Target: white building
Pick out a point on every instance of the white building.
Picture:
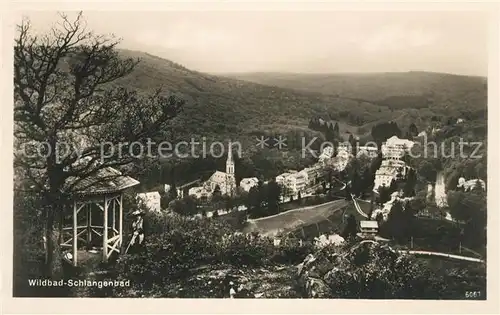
(247, 183)
(280, 179)
(471, 184)
(327, 153)
(313, 172)
(342, 159)
(150, 200)
(398, 165)
(395, 148)
(166, 188)
(225, 180)
(384, 177)
(200, 192)
(296, 182)
(369, 151)
(344, 146)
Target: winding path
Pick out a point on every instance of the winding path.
(427, 253)
(358, 208)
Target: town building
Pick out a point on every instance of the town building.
(314, 172)
(183, 190)
(280, 179)
(247, 183)
(296, 182)
(368, 227)
(201, 192)
(150, 200)
(471, 184)
(342, 159)
(395, 148)
(384, 177)
(224, 180)
(327, 153)
(344, 146)
(166, 188)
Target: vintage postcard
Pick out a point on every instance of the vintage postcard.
(243, 154)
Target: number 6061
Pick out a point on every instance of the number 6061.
(472, 294)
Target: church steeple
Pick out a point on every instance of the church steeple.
(229, 163)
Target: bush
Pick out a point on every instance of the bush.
(240, 250)
(174, 244)
(290, 251)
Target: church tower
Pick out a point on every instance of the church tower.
(230, 179)
(230, 163)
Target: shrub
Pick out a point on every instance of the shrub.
(242, 250)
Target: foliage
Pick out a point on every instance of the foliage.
(384, 131)
(62, 98)
(470, 207)
(186, 206)
(373, 271)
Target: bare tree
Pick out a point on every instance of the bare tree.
(68, 102)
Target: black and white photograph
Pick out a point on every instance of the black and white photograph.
(251, 154)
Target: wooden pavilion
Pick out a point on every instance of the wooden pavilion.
(94, 218)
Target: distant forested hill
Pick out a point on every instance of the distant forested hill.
(412, 89)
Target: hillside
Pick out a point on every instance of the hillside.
(412, 89)
(219, 106)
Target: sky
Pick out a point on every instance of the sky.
(306, 42)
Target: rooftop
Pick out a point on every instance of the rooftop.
(368, 224)
(105, 181)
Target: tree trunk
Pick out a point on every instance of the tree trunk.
(49, 255)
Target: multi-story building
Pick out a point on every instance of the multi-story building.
(296, 182)
(327, 153)
(201, 192)
(395, 148)
(384, 177)
(247, 183)
(150, 200)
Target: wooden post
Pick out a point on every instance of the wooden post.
(105, 232)
(411, 242)
(89, 226)
(114, 215)
(75, 237)
(120, 226)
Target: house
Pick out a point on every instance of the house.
(247, 183)
(460, 120)
(384, 177)
(399, 165)
(201, 192)
(150, 200)
(313, 173)
(280, 179)
(395, 148)
(471, 184)
(296, 182)
(368, 227)
(327, 153)
(183, 190)
(344, 146)
(166, 188)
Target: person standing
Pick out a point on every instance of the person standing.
(137, 241)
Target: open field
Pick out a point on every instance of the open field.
(293, 219)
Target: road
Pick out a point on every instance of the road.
(292, 219)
